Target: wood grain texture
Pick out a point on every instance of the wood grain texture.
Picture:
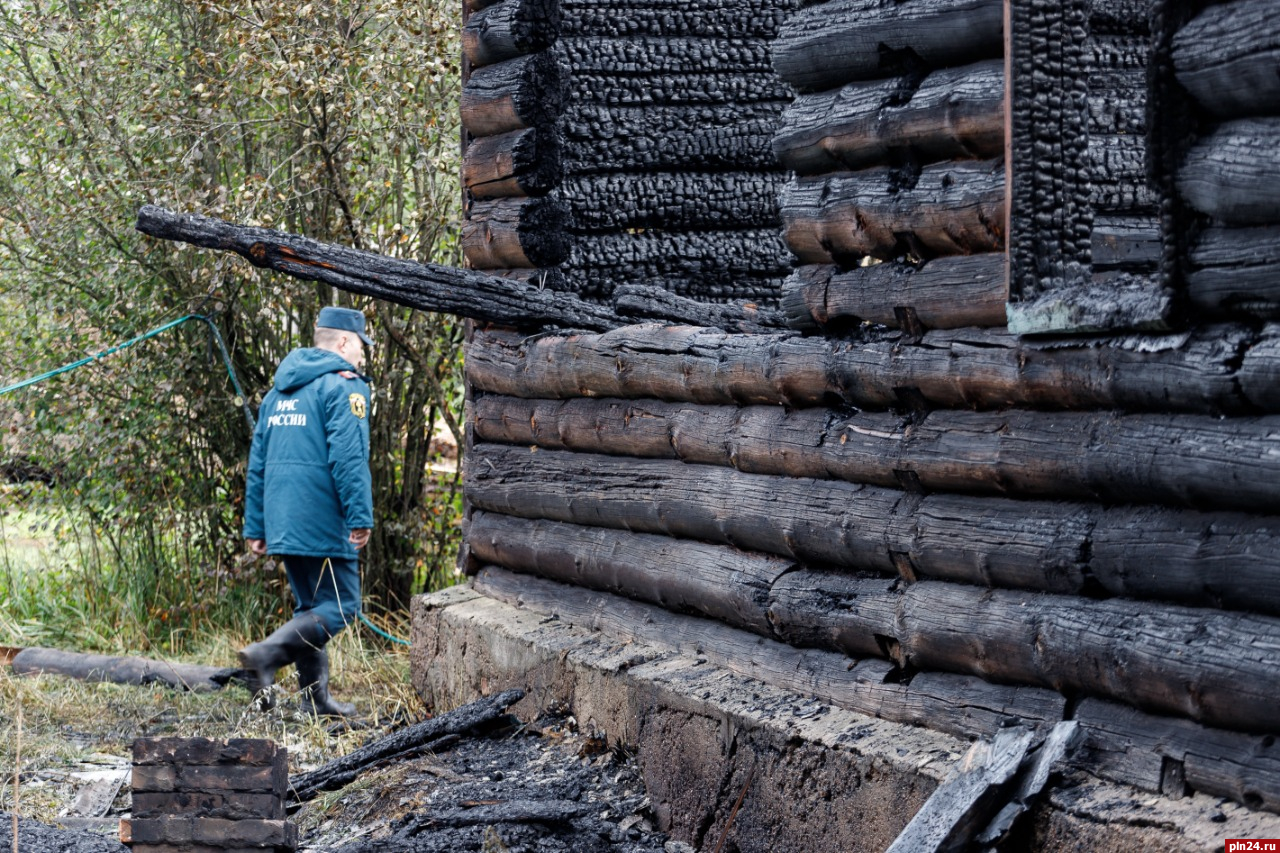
(509, 29)
(517, 163)
(1233, 174)
(640, 301)
(524, 92)
(1228, 56)
(516, 232)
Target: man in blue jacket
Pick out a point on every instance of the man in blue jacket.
(309, 500)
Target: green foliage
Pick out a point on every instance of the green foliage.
(333, 120)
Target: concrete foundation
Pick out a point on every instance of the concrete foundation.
(810, 777)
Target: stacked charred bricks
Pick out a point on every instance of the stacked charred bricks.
(197, 795)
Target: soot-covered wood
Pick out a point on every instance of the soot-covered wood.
(427, 287)
(1216, 369)
(1215, 667)
(517, 163)
(516, 232)
(709, 19)
(953, 113)
(509, 29)
(694, 200)
(957, 704)
(1180, 460)
(1227, 56)
(954, 208)
(527, 91)
(946, 293)
(1218, 559)
(1233, 174)
(821, 47)
(646, 302)
(624, 90)
(663, 54)
(1234, 271)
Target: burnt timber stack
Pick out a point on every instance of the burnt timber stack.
(989, 432)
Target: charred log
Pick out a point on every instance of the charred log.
(1233, 174)
(509, 29)
(516, 232)
(622, 90)
(708, 19)
(674, 200)
(519, 93)
(1227, 56)
(663, 54)
(518, 163)
(1234, 272)
(634, 300)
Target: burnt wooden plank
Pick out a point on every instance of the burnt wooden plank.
(508, 29)
(694, 200)
(1226, 57)
(428, 287)
(632, 300)
(954, 208)
(967, 368)
(953, 113)
(824, 46)
(1233, 174)
(956, 704)
(723, 583)
(524, 92)
(516, 233)
(1033, 775)
(1180, 460)
(945, 293)
(666, 53)
(710, 19)
(1218, 559)
(517, 163)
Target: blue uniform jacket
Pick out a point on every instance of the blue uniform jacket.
(308, 484)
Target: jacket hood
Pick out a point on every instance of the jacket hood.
(305, 365)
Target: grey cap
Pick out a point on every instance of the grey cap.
(346, 319)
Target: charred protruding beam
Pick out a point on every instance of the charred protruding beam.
(675, 200)
(618, 89)
(1178, 460)
(954, 113)
(1236, 271)
(960, 705)
(1233, 174)
(947, 293)
(518, 163)
(509, 29)
(710, 18)
(821, 47)
(1218, 369)
(427, 287)
(1227, 56)
(663, 54)
(1215, 667)
(608, 139)
(640, 301)
(949, 209)
(524, 92)
(516, 232)
(1219, 559)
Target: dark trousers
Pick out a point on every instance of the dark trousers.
(329, 587)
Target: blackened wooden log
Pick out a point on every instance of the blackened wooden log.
(509, 29)
(1119, 17)
(673, 200)
(713, 284)
(656, 303)
(1233, 272)
(947, 702)
(723, 583)
(1218, 559)
(517, 163)
(946, 293)
(460, 721)
(123, 670)
(624, 90)
(1098, 303)
(1227, 58)
(427, 287)
(953, 113)
(527, 91)
(1199, 371)
(548, 278)
(1179, 460)
(1172, 756)
(516, 232)
(710, 18)
(609, 139)
(663, 54)
(821, 47)
(960, 705)
(1215, 667)
(1127, 243)
(1117, 101)
(954, 208)
(1233, 174)
(1118, 175)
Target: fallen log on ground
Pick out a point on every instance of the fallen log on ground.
(1206, 559)
(957, 704)
(427, 287)
(124, 670)
(459, 722)
(1216, 369)
(1178, 460)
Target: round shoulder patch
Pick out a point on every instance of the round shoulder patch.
(357, 405)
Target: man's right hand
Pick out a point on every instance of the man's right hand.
(257, 546)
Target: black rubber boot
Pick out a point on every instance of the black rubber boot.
(313, 680)
(261, 660)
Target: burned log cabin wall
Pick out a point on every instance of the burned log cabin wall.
(626, 144)
(900, 505)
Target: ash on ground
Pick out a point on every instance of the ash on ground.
(539, 788)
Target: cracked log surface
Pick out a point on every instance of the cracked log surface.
(955, 208)
(427, 287)
(635, 300)
(711, 88)
(509, 29)
(1179, 460)
(516, 233)
(663, 54)
(1233, 174)
(1227, 57)
(518, 163)
(524, 92)
(671, 199)
(960, 705)
(708, 19)
(1234, 272)
(1217, 369)
(1218, 559)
